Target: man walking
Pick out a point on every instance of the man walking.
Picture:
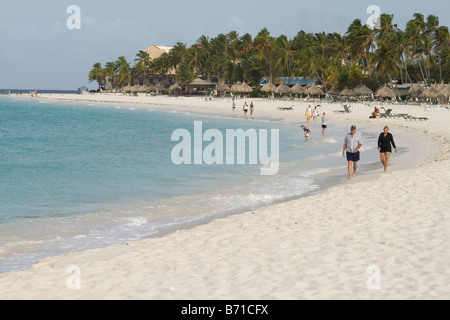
(352, 145)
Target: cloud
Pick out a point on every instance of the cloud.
(237, 25)
(130, 30)
(21, 28)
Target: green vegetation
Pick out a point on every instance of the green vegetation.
(373, 57)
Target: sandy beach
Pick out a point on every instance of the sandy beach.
(382, 237)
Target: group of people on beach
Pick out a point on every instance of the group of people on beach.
(353, 143)
(312, 113)
(245, 108)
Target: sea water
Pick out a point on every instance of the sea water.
(79, 176)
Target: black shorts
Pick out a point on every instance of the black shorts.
(354, 157)
(324, 126)
(386, 150)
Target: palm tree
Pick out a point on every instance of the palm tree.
(265, 44)
(97, 74)
(143, 63)
(123, 72)
(284, 56)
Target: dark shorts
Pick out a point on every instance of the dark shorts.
(386, 150)
(324, 126)
(354, 157)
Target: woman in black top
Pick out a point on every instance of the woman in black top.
(384, 145)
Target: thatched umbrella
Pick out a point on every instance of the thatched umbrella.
(387, 92)
(416, 90)
(127, 88)
(160, 87)
(223, 88)
(363, 91)
(135, 88)
(245, 88)
(445, 92)
(235, 88)
(297, 89)
(334, 91)
(314, 91)
(141, 89)
(282, 88)
(175, 87)
(433, 92)
(346, 93)
(269, 87)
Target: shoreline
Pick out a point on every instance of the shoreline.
(229, 223)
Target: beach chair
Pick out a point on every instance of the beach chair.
(346, 109)
(286, 108)
(411, 118)
(387, 114)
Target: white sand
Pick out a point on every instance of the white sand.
(317, 247)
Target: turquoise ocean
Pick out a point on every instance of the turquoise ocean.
(76, 176)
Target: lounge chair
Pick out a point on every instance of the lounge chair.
(387, 114)
(346, 109)
(286, 108)
(410, 118)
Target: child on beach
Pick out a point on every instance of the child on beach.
(307, 132)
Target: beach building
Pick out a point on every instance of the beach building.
(160, 81)
(155, 51)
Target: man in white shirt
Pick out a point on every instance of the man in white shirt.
(352, 144)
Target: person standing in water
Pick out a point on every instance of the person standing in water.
(352, 144)
(308, 113)
(307, 132)
(385, 144)
(324, 124)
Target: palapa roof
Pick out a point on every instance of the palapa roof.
(297, 89)
(201, 83)
(223, 87)
(334, 91)
(314, 91)
(175, 87)
(387, 92)
(282, 88)
(362, 91)
(346, 92)
(245, 88)
(269, 87)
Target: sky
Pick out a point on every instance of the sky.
(38, 51)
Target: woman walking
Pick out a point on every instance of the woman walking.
(384, 146)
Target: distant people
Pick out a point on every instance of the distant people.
(385, 144)
(324, 124)
(307, 132)
(352, 144)
(234, 106)
(308, 113)
(252, 108)
(315, 114)
(375, 113)
(245, 108)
